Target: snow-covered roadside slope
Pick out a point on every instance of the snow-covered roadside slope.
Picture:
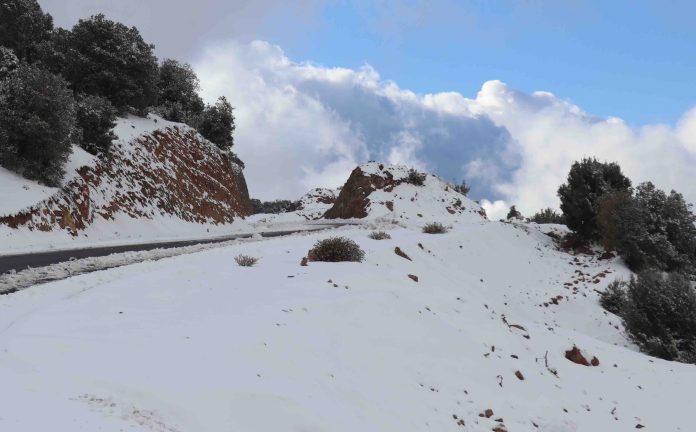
(160, 181)
(18, 193)
(196, 343)
(376, 191)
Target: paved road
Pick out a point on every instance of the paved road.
(41, 259)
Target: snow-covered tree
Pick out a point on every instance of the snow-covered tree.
(106, 58)
(8, 62)
(660, 315)
(216, 124)
(37, 123)
(178, 92)
(95, 119)
(655, 230)
(24, 27)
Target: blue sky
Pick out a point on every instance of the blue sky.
(631, 59)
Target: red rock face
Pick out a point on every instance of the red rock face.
(171, 172)
(352, 202)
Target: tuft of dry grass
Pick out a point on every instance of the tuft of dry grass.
(379, 235)
(435, 228)
(246, 260)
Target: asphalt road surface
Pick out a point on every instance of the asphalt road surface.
(41, 259)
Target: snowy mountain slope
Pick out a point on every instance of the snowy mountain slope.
(160, 180)
(379, 191)
(196, 343)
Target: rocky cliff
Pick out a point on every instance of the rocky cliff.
(155, 168)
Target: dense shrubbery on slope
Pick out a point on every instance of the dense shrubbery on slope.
(38, 124)
(274, 207)
(588, 180)
(108, 69)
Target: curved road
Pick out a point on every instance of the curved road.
(41, 259)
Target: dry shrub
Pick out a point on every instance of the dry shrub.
(435, 228)
(336, 249)
(246, 260)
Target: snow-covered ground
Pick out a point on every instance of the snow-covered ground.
(18, 193)
(196, 343)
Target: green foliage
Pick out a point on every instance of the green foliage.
(613, 298)
(660, 315)
(24, 27)
(8, 62)
(588, 180)
(178, 92)
(415, 178)
(38, 123)
(336, 249)
(651, 229)
(95, 119)
(108, 59)
(274, 207)
(216, 124)
(514, 214)
(435, 228)
(548, 216)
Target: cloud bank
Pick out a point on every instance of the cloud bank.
(301, 125)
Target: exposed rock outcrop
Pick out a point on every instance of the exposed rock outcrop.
(172, 171)
(376, 190)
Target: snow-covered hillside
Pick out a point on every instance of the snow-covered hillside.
(377, 191)
(19, 193)
(478, 343)
(160, 181)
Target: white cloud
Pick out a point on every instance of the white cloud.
(302, 125)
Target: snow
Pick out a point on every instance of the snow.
(196, 343)
(18, 193)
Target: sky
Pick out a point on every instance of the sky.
(503, 93)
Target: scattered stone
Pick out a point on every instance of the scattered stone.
(414, 278)
(401, 253)
(303, 263)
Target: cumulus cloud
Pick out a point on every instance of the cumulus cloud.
(302, 125)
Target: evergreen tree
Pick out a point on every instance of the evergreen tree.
(37, 123)
(514, 213)
(660, 315)
(216, 124)
(95, 119)
(108, 59)
(24, 27)
(178, 92)
(655, 230)
(8, 62)
(547, 216)
(588, 180)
